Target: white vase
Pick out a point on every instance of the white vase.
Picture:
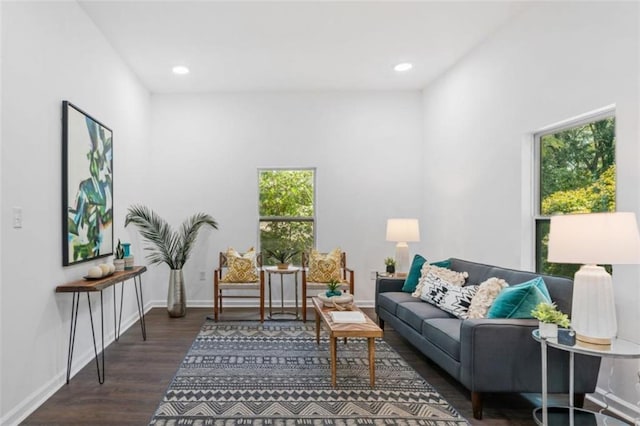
(119, 264)
(548, 330)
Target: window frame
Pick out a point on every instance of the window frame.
(312, 219)
(596, 115)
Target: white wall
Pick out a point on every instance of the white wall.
(366, 148)
(52, 52)
(554, 61)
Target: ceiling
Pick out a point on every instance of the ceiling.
(295, 45)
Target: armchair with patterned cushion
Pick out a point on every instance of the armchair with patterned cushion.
(238, 273)
(318, 269)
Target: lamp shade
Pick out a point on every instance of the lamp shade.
(403, 230)
(594, 238)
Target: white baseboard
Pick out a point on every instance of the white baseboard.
(626, 410)
(39, 396)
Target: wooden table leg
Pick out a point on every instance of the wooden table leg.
(372, 361)
(332, 348)
(317, 327)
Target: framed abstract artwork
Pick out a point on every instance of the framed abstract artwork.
(87, 187)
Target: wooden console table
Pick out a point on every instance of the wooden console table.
(99, 285)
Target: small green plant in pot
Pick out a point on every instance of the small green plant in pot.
(118, 262)
(281, 256)
(550, 318)
(333, 288)
(390, 262)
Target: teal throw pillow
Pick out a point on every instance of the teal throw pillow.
(411, 282)
(517, 301)
(442, 264)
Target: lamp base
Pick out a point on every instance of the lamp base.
(598, 342)
(593, 312)
(402, 259)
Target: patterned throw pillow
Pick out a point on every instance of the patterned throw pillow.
(452, 277)
(486, 294)
(449, 297)
(324, 267)
(241, 268)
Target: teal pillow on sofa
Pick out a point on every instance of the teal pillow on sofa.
(519, 300)
(411, 282)
(415, 272)
(442, 264)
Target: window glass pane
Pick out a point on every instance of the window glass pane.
(276, 235)
(577, 170)
(542, 265)
(286, 193)
(286, 207)
(577, 175)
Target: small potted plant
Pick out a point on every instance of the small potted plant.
(550, 318)
(282, 256)
(333, 288)
(118, 262)
(391, 265)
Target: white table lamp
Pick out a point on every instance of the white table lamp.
(592, 239)
(402, 231)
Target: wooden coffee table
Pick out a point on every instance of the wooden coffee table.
(369, 330)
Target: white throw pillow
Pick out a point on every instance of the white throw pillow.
(486, 294)
(448, 297)
(452, 277)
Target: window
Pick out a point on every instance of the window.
(287, 210)
(576, 174)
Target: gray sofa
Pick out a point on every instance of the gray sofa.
(486, 355)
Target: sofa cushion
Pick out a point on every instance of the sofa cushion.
(389, 301)
(519, 300)
(414, 274)
(416, 311)
(445, 334)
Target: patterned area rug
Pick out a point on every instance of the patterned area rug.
(275, 374)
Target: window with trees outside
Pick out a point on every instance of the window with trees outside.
(287, 211)
(576, 174)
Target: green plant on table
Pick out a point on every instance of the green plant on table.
(119, 251)
(281, 255)
(333, 288)
(390, 261)
(548, 313)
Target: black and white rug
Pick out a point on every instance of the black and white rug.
(275, 374)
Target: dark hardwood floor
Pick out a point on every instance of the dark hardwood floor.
(138, 373)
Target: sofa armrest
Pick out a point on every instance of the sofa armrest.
(500, 355)
(386, 284)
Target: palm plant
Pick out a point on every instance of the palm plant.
(167, 246)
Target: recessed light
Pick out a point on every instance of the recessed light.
(180, 70)
(405, 66)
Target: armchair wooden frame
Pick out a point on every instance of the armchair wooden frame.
(219, 286)
(346, 274)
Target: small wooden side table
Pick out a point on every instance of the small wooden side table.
(99, 285)
(368, 330)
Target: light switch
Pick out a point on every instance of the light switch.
(17, 217)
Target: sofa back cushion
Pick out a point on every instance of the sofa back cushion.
(560, 288)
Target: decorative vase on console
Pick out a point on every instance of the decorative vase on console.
(118, 262)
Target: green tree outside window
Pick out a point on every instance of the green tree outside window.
(287, 210)
(577, 175)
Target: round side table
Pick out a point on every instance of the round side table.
(570, 415)
(292, 270)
